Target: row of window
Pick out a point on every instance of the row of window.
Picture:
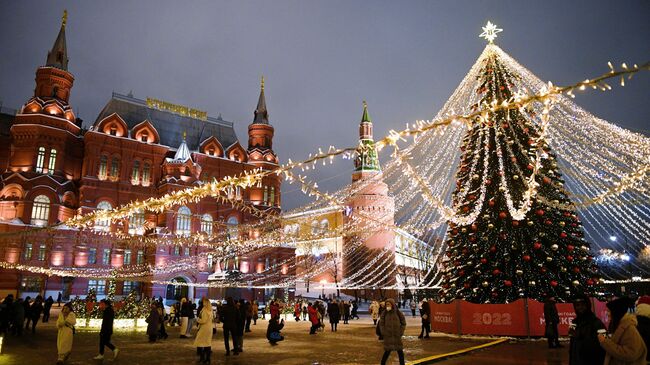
(138, 175)
(316, 228)
(269, 195)
(40, 161)
(35, 284)
(92, 255)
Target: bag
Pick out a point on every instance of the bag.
(275, 336)
(425, 317)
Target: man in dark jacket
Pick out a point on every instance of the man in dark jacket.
(334, 312)
(35, 311)
(230, 318)
(425, 314)
(643, 319)
(552, 320)
(584, 346)
(273, 331)
(105, 333)
(242, 307)
(46, 308)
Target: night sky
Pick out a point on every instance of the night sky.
(320, 59)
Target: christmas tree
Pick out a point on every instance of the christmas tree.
(525, 239)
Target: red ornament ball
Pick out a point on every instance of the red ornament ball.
(526, 257)
(563, 235)
(540, 212)
(515, 223)
(546, 180)
(466, 209)
(543, 269)
(569, 258)
(474, 227)
(590, 282)
(503, 215)
(576, 269)
(548, 222)
(537, 245)
(507, 283)
(488, 181)
(491, 202)
(484, 260)
(496, 272)
(570, 247)
(529, 167)
(466, 285)
(493, 249)
(553, 283)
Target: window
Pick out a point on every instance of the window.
(127, 257)
(146, 172)
(272, 196)
(237, 192)
(210, 261)
(130, 286)
(183, 221)
(186, 251)
(103, 224)
(98, 285)
(135, 174)
(140, 258)
(314, 227)
(136, 222)
(113, 130)
(233, 231)
(106, 257)
(27, 254)
(206, 224)
(177, 250)
(115, 168)
(31, 284)
(324, 225)
(103, 167)
(41, 210)
(92, 255)
(266, 195)
(144, 137)
(52, 163)
(41, 253)
(40, 159)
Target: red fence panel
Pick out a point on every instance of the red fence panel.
(493, 319)
(536, 317)
(444, 317)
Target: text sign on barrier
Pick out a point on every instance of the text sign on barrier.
(493, 319)
(538, 325)
(444, 317)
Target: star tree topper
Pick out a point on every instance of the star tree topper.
(490, 32)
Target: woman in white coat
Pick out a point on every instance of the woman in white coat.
(203, 339)
(65, 323)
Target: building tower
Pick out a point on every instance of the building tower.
(370, 205)
(260, 153)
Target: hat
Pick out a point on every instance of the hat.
(619, 306)
(643, 300)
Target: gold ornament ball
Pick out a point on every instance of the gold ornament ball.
(575, 283)
(554, 247)
(532, 283)
(515, 177)
(485, 284)
(490, 226)
(549, 259)
(562, 224)
(519, 272)
(530, 223)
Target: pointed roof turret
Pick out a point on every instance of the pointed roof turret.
(261, 114)
(58, 56)
(183, 152)
(365, 118)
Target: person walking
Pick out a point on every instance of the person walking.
(190, 318)
(203, 339)
(552, 320)
(643, 319)
(333, 311)
(249, 316)
(413, 307)
(374, 311)
(230, 318)
(65, 325)
(46, 308)
(35, 311)
(106, 331)
(184, 314)
(172, 314)
(162, 331)
(425, 313)
(584, 348)
(18, 317)
(273, 331)
(346, 312)
(625, 346)
(6, 313)
(153, 323)
(58, 300)
(392, 325)
(305, 314)
(355, 310)
(313, 318)
(241, 324)
(255, 308)
(27, 305)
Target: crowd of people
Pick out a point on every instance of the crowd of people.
(624, 341)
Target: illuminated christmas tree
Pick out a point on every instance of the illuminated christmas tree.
(525, 239)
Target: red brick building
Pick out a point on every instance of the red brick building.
(53, 168)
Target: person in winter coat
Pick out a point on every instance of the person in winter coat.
(162, 331)
(230, 318)
(374, 311)
(625, 346)
(333, 311)
(19, 317)
(243, 309)
(296, 311)
(313, 318)
(35, 311)
(255, 308)
(355, 309)
(584, 346)
(106, 331)
(185, 310)
(153, 323)
(392, 325)
(249, 316)
(552, 320)
(65, 324)
(643, 319)
(274, 309)
(203, 339)
(273, 330)
(46, 308)
(27, 305)
(413, 307)
(346, 312)
(425, 314)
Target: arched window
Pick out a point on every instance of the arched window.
(233, 230)
(272, 196)
(146, 173)
(40, 159)
(144, 137)
(324, 225)
(206, 224)
(135, 174)
(103, 224)
(183, 221)
(115, 168)
(266, 195)
(41, 211)
(314, 227)
(136, 222)
(210, 261)
(52, 163)
(103, 167)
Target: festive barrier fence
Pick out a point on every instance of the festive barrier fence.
(521, 318)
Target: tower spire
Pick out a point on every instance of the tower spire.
(58, 56)
(365, 118)
(261, 114)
